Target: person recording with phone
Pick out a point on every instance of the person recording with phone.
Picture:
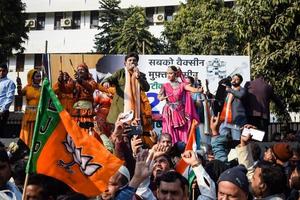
(233, 115)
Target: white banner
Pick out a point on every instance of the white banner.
(212, 68)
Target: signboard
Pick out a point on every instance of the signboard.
(213, 68)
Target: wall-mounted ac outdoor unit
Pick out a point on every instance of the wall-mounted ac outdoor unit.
(66, 22)
(31, 23)
(158, 18)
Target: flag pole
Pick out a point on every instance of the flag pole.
(36, 127)
(25, 185)
(60, 58)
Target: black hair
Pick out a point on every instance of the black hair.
(172, 176)
(18, 169)
(215, 168)
(239, 75)
(2, 145)
(173, 68)
(177, 149)
(132, 54)
(192, 80)
(273, 176)
(168, 157)
(4, 66)
(296, 148)
(34, 73)
(256, 151)
(72, 196)
(50, 186)
(3, 155)
(123, 180)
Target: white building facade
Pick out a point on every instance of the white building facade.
(70, 26)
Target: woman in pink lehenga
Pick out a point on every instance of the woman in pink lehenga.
(179, 110)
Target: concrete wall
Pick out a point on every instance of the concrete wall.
(33, 6)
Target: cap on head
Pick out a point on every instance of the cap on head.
(237, 176)
(282, 151)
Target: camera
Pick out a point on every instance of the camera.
(135, 130)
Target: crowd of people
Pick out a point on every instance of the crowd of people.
(118, 113)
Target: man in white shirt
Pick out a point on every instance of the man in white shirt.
(7, 92)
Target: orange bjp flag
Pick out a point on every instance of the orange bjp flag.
(60, 149)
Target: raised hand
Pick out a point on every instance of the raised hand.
(136, 144)
(143, 169)
(136, 72)
(190, 158)
(153, 136)
(214, 124)
(159, 150)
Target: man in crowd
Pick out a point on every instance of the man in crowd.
(7, 91)
(259, 96)
(233, 114)
(172, 185)
(165, 140)
(119, 79)
(8, 190)
(233, 184)
(268, 181)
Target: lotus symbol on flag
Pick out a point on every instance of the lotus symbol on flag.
(83, 161)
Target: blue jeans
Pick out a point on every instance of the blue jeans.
(230, 129)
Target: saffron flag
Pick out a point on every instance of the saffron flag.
(61, 149)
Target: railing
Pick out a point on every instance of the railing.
(15, 120)
(282, 128)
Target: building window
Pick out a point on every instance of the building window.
(20, 62)
(94, 19)
(149, 14)
(229, 4)
(57, 18)
(169, 11)
(76, 18)
(38, 61)
(40, 21)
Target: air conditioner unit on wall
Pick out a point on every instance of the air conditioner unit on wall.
(158, 18)
(31, 23)
(66, 22)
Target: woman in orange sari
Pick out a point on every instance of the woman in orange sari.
(32, 93)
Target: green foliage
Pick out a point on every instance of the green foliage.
(202, 27)
(135, 36)
(272, 29)
(12, 27)
(124, 31)
(110, 18)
